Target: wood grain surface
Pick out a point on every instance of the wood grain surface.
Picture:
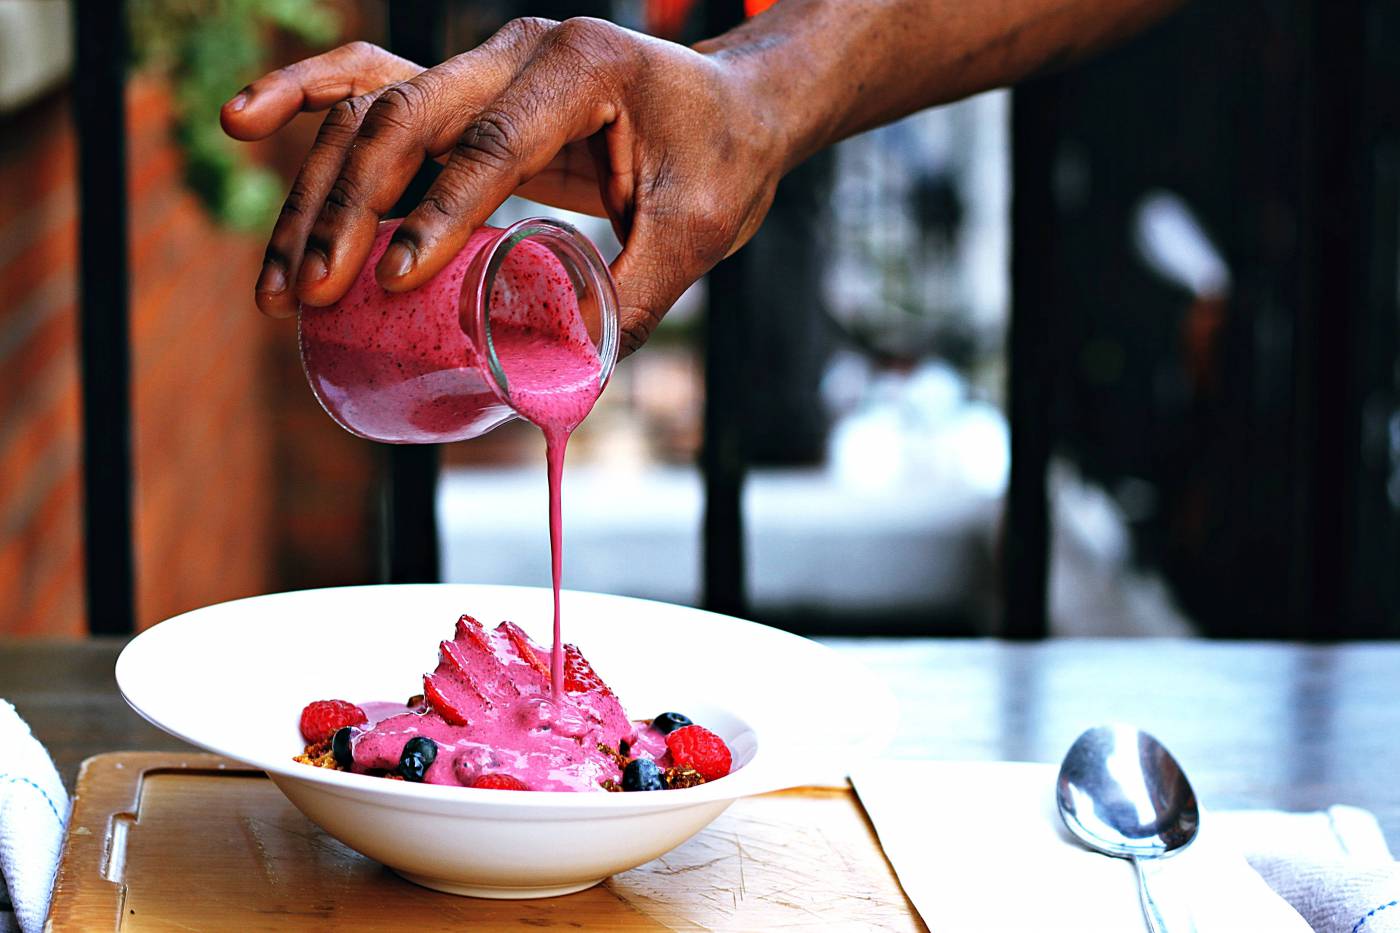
(163, 841)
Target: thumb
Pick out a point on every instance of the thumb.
(651, 273)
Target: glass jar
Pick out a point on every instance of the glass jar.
(429, 366)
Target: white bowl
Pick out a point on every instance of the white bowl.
(232, 678)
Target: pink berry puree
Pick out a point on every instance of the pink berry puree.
(401, 368)
(489, 709)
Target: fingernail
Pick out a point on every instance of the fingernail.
(398, 259)
(313, 268)
(239, 101)
(273, 279)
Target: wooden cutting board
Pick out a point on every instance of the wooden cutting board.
(196, 842)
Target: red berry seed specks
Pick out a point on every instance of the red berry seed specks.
(324, 718)
(499, 782)
(699, 748)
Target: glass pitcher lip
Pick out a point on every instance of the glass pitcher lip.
(481, 276)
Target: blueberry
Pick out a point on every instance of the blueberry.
(423, 746)
(642, 774)
(418, 754)
(413, 767)
(340, 748)
(667, 723)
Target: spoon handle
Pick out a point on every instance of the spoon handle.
(1150, 912)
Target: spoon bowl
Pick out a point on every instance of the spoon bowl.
(1120, 792)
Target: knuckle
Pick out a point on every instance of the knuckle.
(395, 109)
(525, 30)
(440, 205)
(491, 140)
(362, 49)
(596, 46)
(296, 204)
(576, 29)
(345, 115)
(343, 196)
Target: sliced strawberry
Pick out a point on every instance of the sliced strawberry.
(471, 632)
(483, 676)
(441, 704)
(528, 651)
(450, 658)
(579, 676)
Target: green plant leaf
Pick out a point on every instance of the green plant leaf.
(209, 49)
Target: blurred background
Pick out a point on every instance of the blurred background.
(1114, 353)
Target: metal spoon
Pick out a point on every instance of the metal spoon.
(1120, 792)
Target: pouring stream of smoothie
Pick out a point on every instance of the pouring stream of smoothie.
(553, 384)
(553, 373)
(399, 367)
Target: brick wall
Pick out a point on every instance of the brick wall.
(202, 442)
(40, 488)
(242, 484)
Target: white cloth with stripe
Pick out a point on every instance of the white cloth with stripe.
(33, 816)
(978, 846)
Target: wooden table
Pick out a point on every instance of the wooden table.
(1254, 724)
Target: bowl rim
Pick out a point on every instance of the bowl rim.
(763, 773)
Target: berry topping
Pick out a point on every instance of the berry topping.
(699, 748)
(320, 720)
(472, 632)
(439, 701)
(499, 782)
(418, 754)
(579, 676)
(422, 746)
(340, 748)
(524, 648)
(667, 723)
(642, 774)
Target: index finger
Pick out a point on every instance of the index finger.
(315, 83)
(408, 122)
(556, 99)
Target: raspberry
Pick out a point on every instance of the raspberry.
(499, 782)
(699, 748)
(324, 718)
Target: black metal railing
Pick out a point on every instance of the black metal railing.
(99, 98)
(1026, 542)
(409, 531)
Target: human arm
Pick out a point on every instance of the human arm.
(681, 148)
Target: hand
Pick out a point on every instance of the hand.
(671, 145)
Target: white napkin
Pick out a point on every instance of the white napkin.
(33, 815)
(978, 846)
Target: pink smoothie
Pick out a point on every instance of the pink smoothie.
(489, 709)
